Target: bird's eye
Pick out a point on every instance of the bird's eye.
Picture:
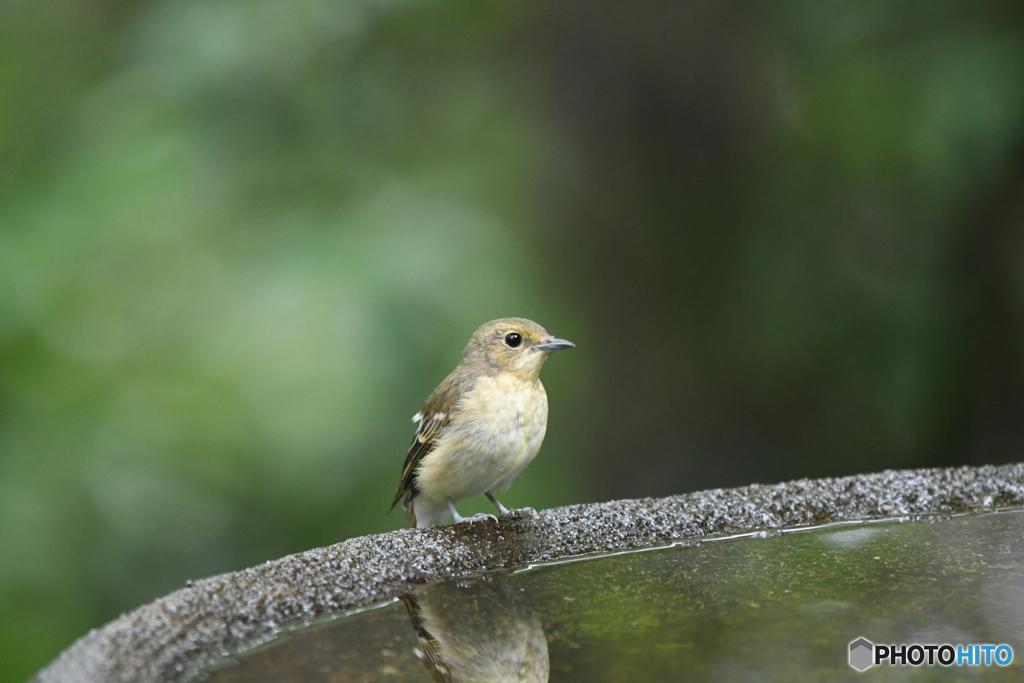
(513, 339)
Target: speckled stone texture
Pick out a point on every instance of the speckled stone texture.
(175, 636)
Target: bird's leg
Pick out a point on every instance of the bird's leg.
(505, 512)
(478, 517)
(502, 510)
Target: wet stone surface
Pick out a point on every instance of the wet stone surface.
(778, 608)
(177, 635)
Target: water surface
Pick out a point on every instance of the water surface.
(782, 607)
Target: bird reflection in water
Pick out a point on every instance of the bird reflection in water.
(479, 631)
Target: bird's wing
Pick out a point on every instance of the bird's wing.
(435, 415)
(430, 651)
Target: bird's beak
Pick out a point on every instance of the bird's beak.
(554, 345)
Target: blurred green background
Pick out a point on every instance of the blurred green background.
(241, 241)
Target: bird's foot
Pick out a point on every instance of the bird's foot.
(478, 517)
(459, 519)
(523, 512)
(482, 516)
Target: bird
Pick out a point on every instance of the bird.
(482, 631)
(481, 426)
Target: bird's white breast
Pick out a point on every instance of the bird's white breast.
(496, 430)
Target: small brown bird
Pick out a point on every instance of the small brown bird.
(482, 426)
(482, 631)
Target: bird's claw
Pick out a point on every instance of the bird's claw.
(523, 512)
(478, 517)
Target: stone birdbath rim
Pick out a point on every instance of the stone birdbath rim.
(176, 636)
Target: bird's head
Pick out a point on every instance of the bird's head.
(514, 345)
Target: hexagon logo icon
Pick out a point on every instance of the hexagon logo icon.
(862, 652)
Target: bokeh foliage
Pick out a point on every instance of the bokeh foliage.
(240, 242)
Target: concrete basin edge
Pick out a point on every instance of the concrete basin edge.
(177, 635)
